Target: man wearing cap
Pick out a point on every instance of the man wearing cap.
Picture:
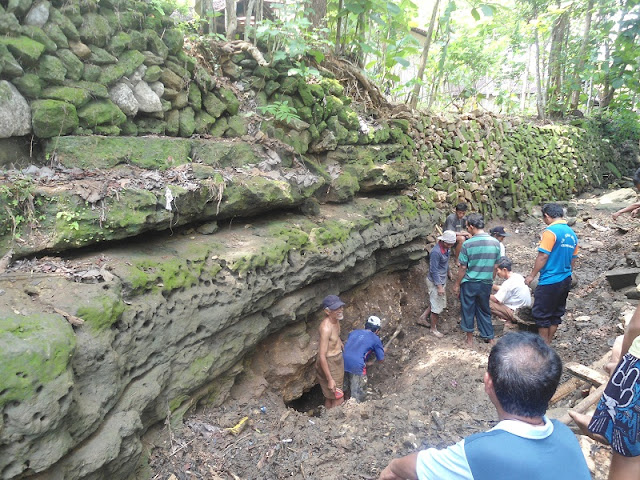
(457, 223)
(329, 363)
(498, 233)
(437, 281)
(359, 345)
(557, 253)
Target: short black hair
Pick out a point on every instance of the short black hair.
(525, 372)
(505, 262)
(371, 326)
(553, 210)
(636, 177)
(475, 220)
(461, 207)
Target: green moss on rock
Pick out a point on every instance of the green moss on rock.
(96, 152)
(102, 312)
(34, 350)
(24, 48)
(51, 118)
(103, 112)
(51, 69)
(75, 96)
(28, 85)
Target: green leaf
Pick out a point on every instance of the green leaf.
(475, 14)
(393, 9)
(354, 8)
(488, 10)
(402, 61)
(317, 55)
(617, 83)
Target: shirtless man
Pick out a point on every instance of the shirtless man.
(329, 364)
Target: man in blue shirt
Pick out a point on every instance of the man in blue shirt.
(557, 254)
(522, 375)
(360, 344)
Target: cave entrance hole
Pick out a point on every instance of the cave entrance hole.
(309, 402)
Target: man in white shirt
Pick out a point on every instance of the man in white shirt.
(511, 295)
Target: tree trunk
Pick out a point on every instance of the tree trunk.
(318, 13)
(339, 21)
(556, 62)
(248, 14)
(582, 59)
(539, 93)
(525, 83)
(415, 94)
(231, 22)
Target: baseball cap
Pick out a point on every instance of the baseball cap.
(448, 236)
(373, 321)
(499, 231)
(332, 302)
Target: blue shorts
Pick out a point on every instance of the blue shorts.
(550, 302)
(617, 417)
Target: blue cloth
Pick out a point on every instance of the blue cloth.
(511, 450)
(558, 266)
(617, 417)
(438, 265)
(474, 303)
(359, 344)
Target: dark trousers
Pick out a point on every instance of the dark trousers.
(550, 302)
(474, 304)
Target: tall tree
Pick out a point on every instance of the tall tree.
(231, 19)
(582, 58)
(557, 63)
(415, 94)
(318, 13)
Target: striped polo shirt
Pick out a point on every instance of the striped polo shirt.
(479, 254)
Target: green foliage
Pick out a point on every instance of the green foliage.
(281, 111)
(290, 36)
(18, 206)
(620, 125)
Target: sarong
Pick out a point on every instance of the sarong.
(336, 368)
(617, 417)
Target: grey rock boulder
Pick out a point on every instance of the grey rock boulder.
(15, 113)
(147, 99)
(122, 95)
(38, 15)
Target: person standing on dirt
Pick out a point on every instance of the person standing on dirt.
(360, 344)
(634, 208)
(477, 259)
(557, 253)
(499, 234)
(329, 363)
(522, 375)
(458, 223)
(437, 281)
(511, 295)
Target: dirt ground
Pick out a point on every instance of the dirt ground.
(427, 393)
